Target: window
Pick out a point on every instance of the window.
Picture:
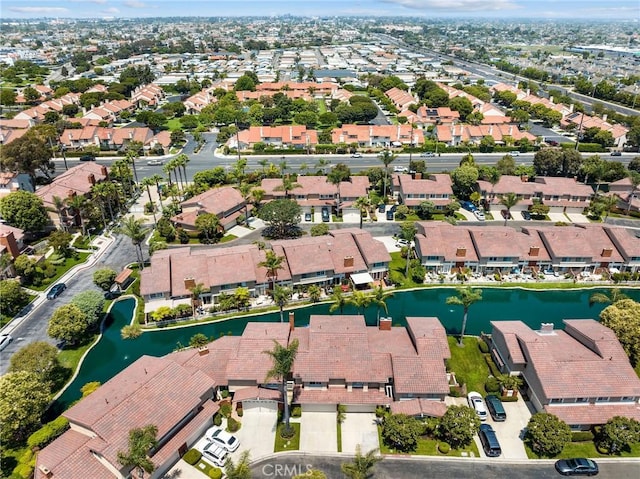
(627, 399)
(602, 399)
(582, 400)
(556, 401)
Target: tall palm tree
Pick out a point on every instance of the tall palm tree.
(147, 183)
(156, 180)
(133, 228)
(379, 298)
(245, 191)
(386, 157)
(615, 295)
(466, 297)
(508, 201)
(257, 195)
(321, 164)
(141, 441)
(281, 295)
(273, 263)
(58, 204)
(408, 232)
(130, 158)
(78, 203)
(168, 169)
(338, 299)
(283, 358)
(196, 295)
(106, 192)
(362, 203)
(238, 170)
(360, 300)
(362, 464)
(609, 202)
(184, 160)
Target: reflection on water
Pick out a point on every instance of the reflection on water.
(112, 354)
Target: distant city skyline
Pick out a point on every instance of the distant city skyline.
(488, 9)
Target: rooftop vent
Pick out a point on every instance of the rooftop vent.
(546, 328)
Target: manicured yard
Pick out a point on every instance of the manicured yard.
(468, 363)
(429, 447)
(62, 269)
(292, 444)
(398, 263)
(585, 449)
(339, 432)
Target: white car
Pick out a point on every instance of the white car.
(400, 169)
(155, 162)
(402, 243)
(479, 215)
(222, 438)
(213, 453)
(476, 402)
(356, 155)
(5, 339)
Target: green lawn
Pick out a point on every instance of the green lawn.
(322, 107)
(429, 447)
(398, 263)
(174, 124)
(584, 449)
(292, 444)
(468, 363)
(70, 357)
(60, 270)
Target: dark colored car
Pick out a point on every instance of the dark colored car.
(616, 153)
(394, 208)
(577, 467)
(494, 405)
(56, 290)
(381, 208)
(87, 158)
(307, 216)
(469, 206)
(489, 441)
(390, 215)
(526, 215)
(325, 214)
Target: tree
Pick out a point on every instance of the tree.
(38, 357)
(31, 153)
(360, 300)
(408, 232)
(623, 317)
(401, 432)
(240, 469)
(362, 464)
(209, 226)
(314, 292)
(386, 157)
(338, 299)
(12, 297)
(363, 203)
(615, 295)
(198, 340)
(68, 323)
(23, 400)
(148, 182)
(508, 201)
(465, 298)
(539, 209)
(196, 295)
(60, 241)
(91, 303)
(379, 299)
(458, 425)
(281, 295)
(273, 263)
(283, 358)
(283, 217)
(141, 441)
(619, 434)
(548, 162)
(103, 278)
(546, 434)
(287, 185)
(464, 180)
(133, 228)
(24, 210)
(321, 229)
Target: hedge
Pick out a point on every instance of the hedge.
(192, 457)
(492, 385)
(444, 448)
(225, 409)
(582, 436)
(217, 419)
(215, 473)
(296, 411)
(484, 347)
(492, 366)
(48, 432)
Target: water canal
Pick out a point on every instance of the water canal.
(112, 354)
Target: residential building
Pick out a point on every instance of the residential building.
(503, 134)
(425, 117)
(147, 95)
(115, 139)
(226, 203)
(580, 374)
(286, 136)
(401, 99)
(377, 136)
(412, 190)
(109, 111)
(10, 182)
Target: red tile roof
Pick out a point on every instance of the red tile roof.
(587, 414)
(419, 407)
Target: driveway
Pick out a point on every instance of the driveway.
(511, 431)
(555, 217)
(318, 432)
(577, 218)
(389, 242)
(359, 428)
(257, 433)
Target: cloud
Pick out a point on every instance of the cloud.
(100, 2)
(134, 4)
(458, 5)
(42, 10)
(110, 11)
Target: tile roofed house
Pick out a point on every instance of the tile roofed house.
(581, 374)
(413, 190)
(226, 203)
(444, 248)
(287, 136)
(454, 135)
(627, 242)
(377, 135)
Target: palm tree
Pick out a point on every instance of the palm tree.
(256, 196)
(281, 295)
(147, 183)
(263, 164)
(287, 185)
(239, 470)
(360, 300)
(315, 293)
(634, 177)
(141, 441)
(321, 164)
(167, 169)
(338, 298)
(609, 202)
(196, 295)
(245, 191)
(362, 203)
(272, 262)
(78, 204)
(615, 295)
(238, 169)
(184, 160)
(379, 298)
(133, 228)
(465, 298)
(387, 157)
(156, 180)
(362, 464)
(508, 201)
(106, 193)
(58, 204)
(283, 167)
(283, 358)
(130, 158)
(408, 232)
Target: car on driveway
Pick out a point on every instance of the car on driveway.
(526, 215)
(325, 214)
(577, 467)
(307, 216)
(400, 169)
(402, 243)
(222, 438)
(475, 402)
(506, 214)
(5, 339)
(381, 208)
(390, 215)
(56, 290)
(479, 215)
(469, 206)
(214, 454)
(494, 405)
(489, 441)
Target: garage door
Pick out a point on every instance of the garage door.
(319, 408)
(360, 408)
(351, 218)
(259, 405)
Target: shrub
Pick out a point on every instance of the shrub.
(296, 411)
(582, 436)
(240, 412)
(217, 419)
(381, 411)
(215, 473)
(48, 432)
(492, 385)
(484, 347)
(232, 424)
(23, 471)
(225, 409)
(444, 448)
(192, 457)
(492, 366)
(224, 394)
(431, 426)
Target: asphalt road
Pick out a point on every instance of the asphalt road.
(34, 327)
(287, 466)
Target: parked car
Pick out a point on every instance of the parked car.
(356, 155)
(325, 214)
(514, 153)
(506, 214)
(479, 215)
(577, 467)
(88, 158)
(552, 143)
(494, 405)
(526, 215)
(5, 339)
(155, 162)
(381, 208)
(215, 454)
(390, 215)
(475, 401)
(427, 154)
(222, 438)
(56, 290)
(400, 169)
(468, 205)
(402, 243)
(489, 441)
(616, 153)
(307, 216)
(394, 208)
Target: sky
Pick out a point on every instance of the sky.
(540, 9)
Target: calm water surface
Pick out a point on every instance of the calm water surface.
(112, 354)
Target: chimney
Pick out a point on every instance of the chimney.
(203, 350)
(130, 135)
(524, 178)
(534, 250)
(46, 471)
(418, 175)
(103, 171)
(385, 324)
(604, 117)
(606, 252)
(546, 328)
(292, 322)
(348, 261)
(461, 251)
(189, 283)
(9, 241)
(91, 178)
